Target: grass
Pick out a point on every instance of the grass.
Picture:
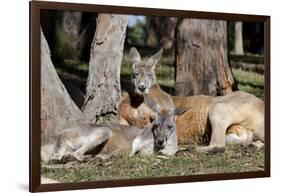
(247, 77)
(250, 82)
(186, 162)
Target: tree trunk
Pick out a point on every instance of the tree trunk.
(57, 109)
(238, 39)
(103, 85)
(201, 58)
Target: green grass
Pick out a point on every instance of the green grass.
(247, 77)
(250, 82)
(187, 162)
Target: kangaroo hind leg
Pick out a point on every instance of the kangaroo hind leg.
(220, 119)
(97, 137)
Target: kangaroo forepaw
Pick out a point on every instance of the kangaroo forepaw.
(78, 157)
(168, 152)
(68, 158)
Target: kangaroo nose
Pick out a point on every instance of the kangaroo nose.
(160, 142)
(141, 88)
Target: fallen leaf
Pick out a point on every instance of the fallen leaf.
(108, 163)
(162, 157)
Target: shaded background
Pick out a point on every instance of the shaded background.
(70, 35)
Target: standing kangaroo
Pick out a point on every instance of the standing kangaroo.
(107, 140)
(237, 118)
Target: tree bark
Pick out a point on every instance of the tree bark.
(201, 58)
(103, 85)
(57, 109)
(238, 39)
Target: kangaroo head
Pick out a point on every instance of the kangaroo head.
(143, 71)
(164, 124)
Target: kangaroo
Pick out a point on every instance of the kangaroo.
(145, 83)
(237, 118)
(107, 140)
(132, 110)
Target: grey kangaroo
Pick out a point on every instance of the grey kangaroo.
(103, 141)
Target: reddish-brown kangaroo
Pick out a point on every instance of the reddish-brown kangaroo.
(210, 122)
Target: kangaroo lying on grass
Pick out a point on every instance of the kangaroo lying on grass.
(237, 118)
(104, 141)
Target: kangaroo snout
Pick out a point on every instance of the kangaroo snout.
(161, 142)
(141, 88)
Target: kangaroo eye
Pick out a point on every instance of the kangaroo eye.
(155, 125)
(150, 75)
(170, 126)
(134, 75)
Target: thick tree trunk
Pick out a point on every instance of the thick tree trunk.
(103, 85)
(57, 109)
(201, 58)
(238, 39)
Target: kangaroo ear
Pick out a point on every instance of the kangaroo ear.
(153, 60)
(135, 55)
(180, 110)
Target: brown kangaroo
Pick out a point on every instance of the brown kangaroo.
(237, 118)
